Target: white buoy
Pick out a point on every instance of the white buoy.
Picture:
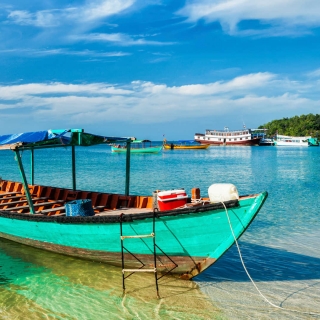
(221, 192)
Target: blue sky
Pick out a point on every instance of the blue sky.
(148, 68)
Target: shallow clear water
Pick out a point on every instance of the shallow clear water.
(280, 248)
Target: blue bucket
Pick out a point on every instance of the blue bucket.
(81, 207)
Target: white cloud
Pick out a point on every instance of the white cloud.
(120, 39)
(101, 8)
(42, 19)
(24, 91)
(146, 102)
(89, 12)
(73, 24)
(286, 17)
(247, 82)
(314, 74)
(58, 51)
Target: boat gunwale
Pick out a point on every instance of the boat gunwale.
(115, 218)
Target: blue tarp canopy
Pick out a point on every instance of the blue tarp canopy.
(54, 138)
(27, 137)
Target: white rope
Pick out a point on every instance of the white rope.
(245, 269)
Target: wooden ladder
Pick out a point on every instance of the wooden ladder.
(142, 268)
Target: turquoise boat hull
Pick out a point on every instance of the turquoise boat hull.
(137, 150)
(194, 237)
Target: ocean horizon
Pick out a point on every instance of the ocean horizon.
(280, 248)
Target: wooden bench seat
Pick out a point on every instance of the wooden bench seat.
(13, 198)
(6, 204)
(35, 205)
(9, 194)
(46, 211)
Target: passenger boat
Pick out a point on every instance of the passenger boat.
(137, 146)
(190, 233)
(245, 137)
(282, 140)
(185, 145)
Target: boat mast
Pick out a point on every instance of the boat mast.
(32, 166)
(128, 168)
(24, 180)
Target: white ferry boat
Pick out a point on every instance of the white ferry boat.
(244, 137)
(291, 141)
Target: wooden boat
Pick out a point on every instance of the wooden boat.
(185, 145)
(137, 146)
(191, 237)
(245, 137)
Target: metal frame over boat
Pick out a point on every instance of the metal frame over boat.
(192, 236)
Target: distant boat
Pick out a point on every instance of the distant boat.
(313, 142)
(288, 141)
(266, 142)
(137, 146)
(185, 145)
(244, 137)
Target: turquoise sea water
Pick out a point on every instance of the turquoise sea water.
(281, 247)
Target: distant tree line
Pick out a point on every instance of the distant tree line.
(304, 125)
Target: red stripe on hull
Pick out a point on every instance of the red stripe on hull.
(252, 142)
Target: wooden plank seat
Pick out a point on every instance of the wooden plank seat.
(3, 195)
(52, 211)
(6, 204)
(12, 198)
(40, 204)
(17, 198)
(22, 196)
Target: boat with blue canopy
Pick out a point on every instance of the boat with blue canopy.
(191, 232)
(137, 146)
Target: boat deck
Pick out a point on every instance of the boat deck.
(51, 200)
(124, 211)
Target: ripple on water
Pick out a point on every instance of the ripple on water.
(40, 284)
(280, 248)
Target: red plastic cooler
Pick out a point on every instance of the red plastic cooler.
(168, 200)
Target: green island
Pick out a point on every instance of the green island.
(304, 125)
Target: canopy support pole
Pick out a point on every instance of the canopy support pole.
(32, 166)
(74, 186)
(128, 167)
(24, 181)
